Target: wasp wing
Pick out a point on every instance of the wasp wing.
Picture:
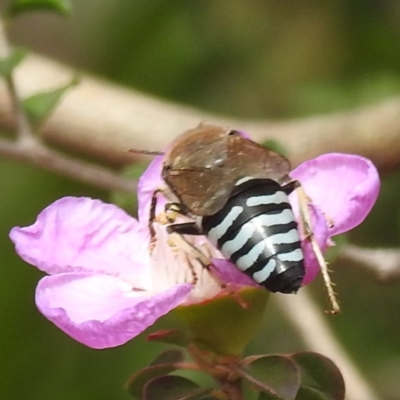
(195, 169)
(248, 158)
(203, 192)
(203, 168)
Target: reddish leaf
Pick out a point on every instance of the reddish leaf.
(173, 388)
(277, 376)
(319, 375)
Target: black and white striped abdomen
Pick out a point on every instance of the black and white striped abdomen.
(256, 230)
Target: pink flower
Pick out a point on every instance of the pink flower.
(103, 287)
(342, 187)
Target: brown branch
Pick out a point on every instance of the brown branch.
(104, 120)
(384, 264)
(34, 153)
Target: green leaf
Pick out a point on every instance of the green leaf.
(40, 105)
(319, 375)
(303, 394)
(266, 396)
(161, 365)
(62, 7)
(306, 393)
(277, 376)
(173, 388)
(8, 64)
(139, 379)
(170, 336)
(168, 357)
(228, 322)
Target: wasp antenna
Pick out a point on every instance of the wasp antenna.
(306, 220)
(146, 152)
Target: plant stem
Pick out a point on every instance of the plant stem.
(23, 127)
(34, 153)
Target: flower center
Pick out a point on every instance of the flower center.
(184, 259)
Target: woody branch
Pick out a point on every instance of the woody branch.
(104, 120)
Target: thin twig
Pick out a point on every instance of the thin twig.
(23, 128)
(33, 152)
(311, 324)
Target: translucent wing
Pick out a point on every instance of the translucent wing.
(204, 164)
(195, 169)
(247, 158)
(200, 191)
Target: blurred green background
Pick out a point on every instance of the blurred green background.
(255, 58)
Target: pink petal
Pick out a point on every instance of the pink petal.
(148, 183)
(343, 186)
(230, 273)
(244, 134)
(102, 311)
(75, 234)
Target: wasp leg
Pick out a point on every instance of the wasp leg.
(169, 207)
(185, 228)
(195, 278)
(289, 187)
(307, 227)
(152, 215)
(176, 207)
(189, 248)
(173, 208)
(191, 228)
(204, 260)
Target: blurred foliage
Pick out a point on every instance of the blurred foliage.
(17, 7)
(39, 106)
(128, 201)
(8, 64)
(259, 58)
